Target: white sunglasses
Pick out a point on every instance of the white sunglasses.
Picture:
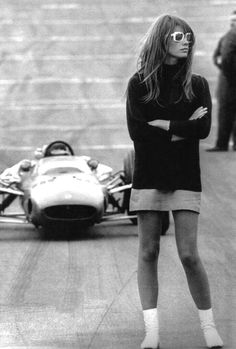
(180, 36)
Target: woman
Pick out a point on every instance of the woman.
(168, 111)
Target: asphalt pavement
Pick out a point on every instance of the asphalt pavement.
(64, 70)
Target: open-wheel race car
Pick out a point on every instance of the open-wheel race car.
(60, 188)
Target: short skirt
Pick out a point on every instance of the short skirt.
(157, 200)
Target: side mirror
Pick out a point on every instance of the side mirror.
(93, 164)
(25, 166)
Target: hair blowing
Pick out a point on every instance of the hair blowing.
(154, 51)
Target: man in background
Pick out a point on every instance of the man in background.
(224, 58)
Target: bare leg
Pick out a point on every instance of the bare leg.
(186, 238)
(150, 226)
(149, 238)
(186, 224)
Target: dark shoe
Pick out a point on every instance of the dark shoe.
(216, 148)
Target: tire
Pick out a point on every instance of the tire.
(128, 178)
(129, 167)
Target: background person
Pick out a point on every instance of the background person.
(168, 111)
(224, 58)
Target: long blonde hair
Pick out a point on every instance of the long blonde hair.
(154, 51)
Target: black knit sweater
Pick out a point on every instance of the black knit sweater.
(159, 162)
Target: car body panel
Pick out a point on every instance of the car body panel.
(66, 189)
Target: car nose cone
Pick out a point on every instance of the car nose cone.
(68, 196)
(67, 190)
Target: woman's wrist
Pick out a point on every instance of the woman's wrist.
(163, 124)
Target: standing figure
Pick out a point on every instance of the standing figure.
(224, 58)
(168, 112)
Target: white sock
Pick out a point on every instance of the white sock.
(211, 335)
(151, 322)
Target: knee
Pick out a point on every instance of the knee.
(190, 262)
(149, 254)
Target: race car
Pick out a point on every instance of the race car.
(59, 188)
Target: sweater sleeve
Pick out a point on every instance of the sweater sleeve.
(199, 128)
(136, 112)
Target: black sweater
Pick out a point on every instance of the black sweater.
(159, 162)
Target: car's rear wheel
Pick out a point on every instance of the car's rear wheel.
(128, 178)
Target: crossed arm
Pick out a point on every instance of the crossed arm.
(196, 126)
(165, 124)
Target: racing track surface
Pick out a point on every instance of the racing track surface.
(64, 69)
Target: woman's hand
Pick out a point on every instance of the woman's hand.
(163, 124)
(199, 113)
(175, 138)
